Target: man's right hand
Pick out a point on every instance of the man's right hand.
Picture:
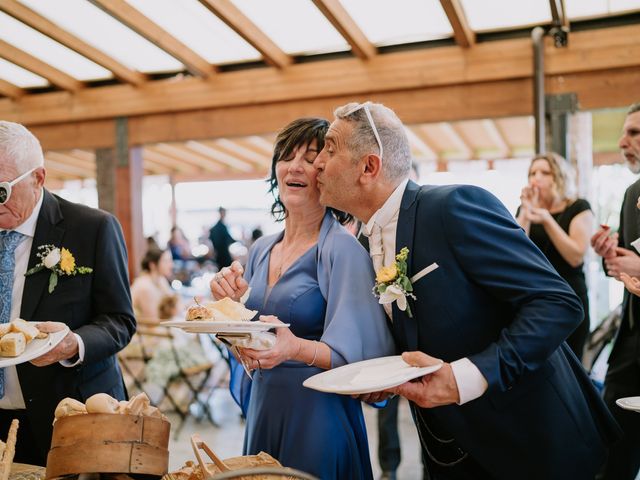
(603, 244)
(229, 282)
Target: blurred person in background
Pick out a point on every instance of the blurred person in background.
(560, 225)
(179, 245)
(315, 276)
(221, 239)
(151, 289)
(620, 256)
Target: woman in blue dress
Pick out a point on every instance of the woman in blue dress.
(317, 277)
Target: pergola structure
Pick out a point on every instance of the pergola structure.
(464, 87)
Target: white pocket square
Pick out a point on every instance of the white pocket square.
(423, 272)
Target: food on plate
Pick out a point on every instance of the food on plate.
(8, 450)
(69, 406)
(192, 471)
(12, 344)
(199, 312)
(29, 330)
(104, 403)
(228, 309)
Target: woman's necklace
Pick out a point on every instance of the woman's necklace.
(285, 259)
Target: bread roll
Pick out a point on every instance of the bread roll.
(102, 403)
(29, 331)
(69, 406)
(4, 328)
(137, 404)
(198, 312)
(12, 344)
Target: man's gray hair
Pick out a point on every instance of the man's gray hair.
(396, 155)
(20, 146)
(635, 107)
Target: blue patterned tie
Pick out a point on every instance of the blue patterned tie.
(9, 240)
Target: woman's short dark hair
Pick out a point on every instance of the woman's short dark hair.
(300, 132)
(153, 255)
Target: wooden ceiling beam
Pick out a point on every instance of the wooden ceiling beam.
(218, 156)
(456, 139)
(417, 70)
(347, 27)
(64, 157)
(36, 21)
(37, 66)
(233, 17)
(173, 164)
(497, 137)
(181, 154)
(421, 145)
(260, 160)
(68, 169)
(465, 37)
(139, 23)
(10, 90)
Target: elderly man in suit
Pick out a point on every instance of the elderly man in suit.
(511, 400)
(95, 303)
(620, 254)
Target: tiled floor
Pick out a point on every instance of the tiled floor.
(226, 439)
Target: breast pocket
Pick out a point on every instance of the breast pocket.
(422, 273)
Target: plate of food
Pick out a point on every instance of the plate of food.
(21, 341)
(368, 376)
(629, 403)
(223, 316)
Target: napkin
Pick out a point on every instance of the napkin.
(254, 340)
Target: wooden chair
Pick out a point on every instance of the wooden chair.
(185, 390)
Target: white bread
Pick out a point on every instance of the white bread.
(227, 309)
(4, 328)
(69, 406)
(30, 331)
(12, 344)
(199, 312)
(137, 404)
(102, 403)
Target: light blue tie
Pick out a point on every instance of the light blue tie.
(9, 240)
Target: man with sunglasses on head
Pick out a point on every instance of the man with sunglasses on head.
(95, 305)
(510, 400)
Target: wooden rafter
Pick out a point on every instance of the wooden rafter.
(65, 168)
(10, 90)
(46, 27)
(142, 25)
(260, 160)
(33, 64)
(173, 164)
(65, 158)
(497, 137)
(465, 37)
(180, 153)
(420, 144)
(348, 28)
(243, 26)
(456, 139)
(218, 156)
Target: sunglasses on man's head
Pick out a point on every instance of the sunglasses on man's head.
(5, 187)
(365, 106)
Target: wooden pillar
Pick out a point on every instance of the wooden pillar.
(119, 180)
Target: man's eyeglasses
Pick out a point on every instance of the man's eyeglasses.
(5, 187)
(365, 107)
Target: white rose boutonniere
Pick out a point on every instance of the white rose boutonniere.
(59, 261)
(392, 283)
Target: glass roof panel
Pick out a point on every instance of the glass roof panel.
(301, 30)
(103, 32)
(486, 15)
(623, 5)
(400, 21)
(19, 76)
(42, 47)
(199, 29)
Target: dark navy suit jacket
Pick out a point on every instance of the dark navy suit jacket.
(495, 299)
(96, 306)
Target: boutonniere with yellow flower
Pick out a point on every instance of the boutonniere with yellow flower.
(60, 261)
(392, 283)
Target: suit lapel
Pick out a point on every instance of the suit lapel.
(47, 233)
(407, 327)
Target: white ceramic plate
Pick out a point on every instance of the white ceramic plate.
(196, 326)
(367, 376)
(35, 348)
(629, 403)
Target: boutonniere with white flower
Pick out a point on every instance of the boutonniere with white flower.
(59, 261)
(392, 283)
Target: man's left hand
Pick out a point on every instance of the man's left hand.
(626, 261)
(66, 349)
(433, 390)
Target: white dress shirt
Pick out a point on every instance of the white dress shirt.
(13, 398)
(471, 383)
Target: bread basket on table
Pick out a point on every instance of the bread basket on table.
(109, 443)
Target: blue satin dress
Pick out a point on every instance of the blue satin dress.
(319, 433)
